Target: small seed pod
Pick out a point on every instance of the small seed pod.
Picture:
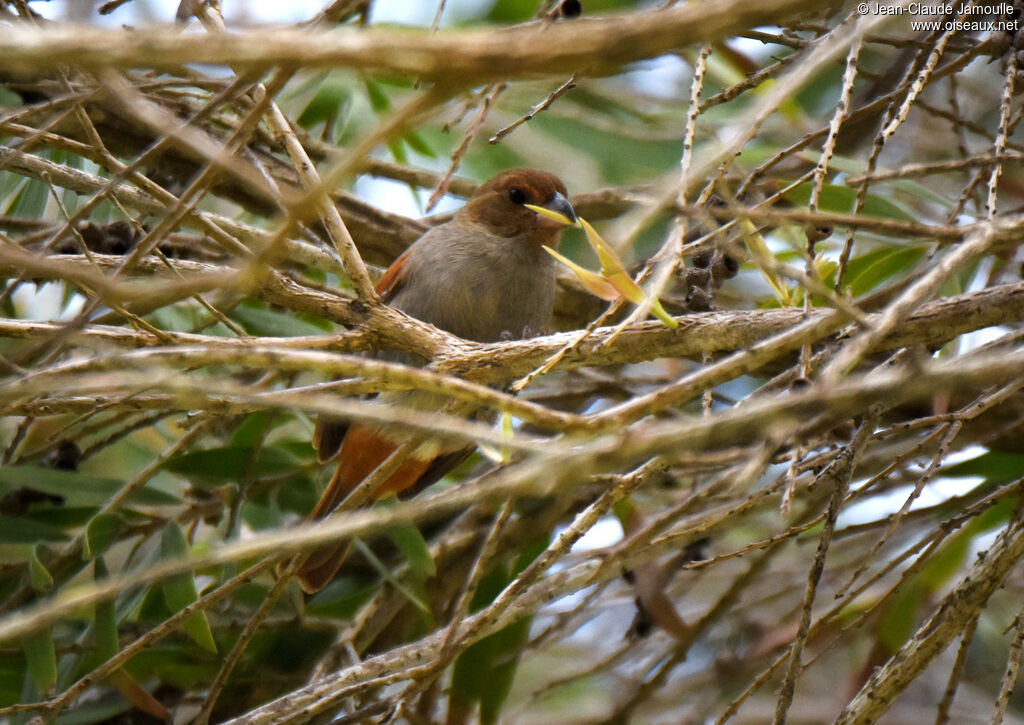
(697, 277)
(699, 299)
(703, 259)
(723, 267)
(570, 8)
(120, 238)
(815, 233)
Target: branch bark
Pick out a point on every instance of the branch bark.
(958, 609)
(589, 45)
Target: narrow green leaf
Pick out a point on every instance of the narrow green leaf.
(412, 589)
(22, 530)
(398, 151)
(507, 649)
(180, 591)
(328, 102)
(418, 144)
(898, 619)
(100, 533)
(379, 100)
(269, 323)
(30, 201)
(77, 489)
(104, 618)
(42, 580)
(42, 660)
(485, 671)
(414, 548)
(253, 429)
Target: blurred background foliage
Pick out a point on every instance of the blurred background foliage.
(187, 481)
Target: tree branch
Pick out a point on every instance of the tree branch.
(588, 45)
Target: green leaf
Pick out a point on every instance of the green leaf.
(42, 580)
(417, 143)
(897, 621)
(484, 672)
(511, 11)
(343, 597)
(868, 271)
(397, 151)
(269, 323)
(840, 199)
(104, 618)
(214, 466)
(414, 548)
(182, 318)
(77, 489)
(100, 533)
(180, 591)
(173, 544)
(9, 99)
(947, 561)
(61, 516)
(253, 429)
(329, 102)
(994, 466)
(759, 250)
(30, 201)
(508, 646)
(379, 100)
(22, 530)
(94, 713)
(620, 158)
(42, 660)
(530, 552)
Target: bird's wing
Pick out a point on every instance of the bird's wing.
(330, 432)
(391, 281)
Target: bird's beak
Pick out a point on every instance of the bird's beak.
(558, 209)
(560, 205)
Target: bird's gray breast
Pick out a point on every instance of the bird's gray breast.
(482, 287)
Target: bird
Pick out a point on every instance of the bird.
(483, 276)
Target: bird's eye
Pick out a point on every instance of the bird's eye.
(518, 196)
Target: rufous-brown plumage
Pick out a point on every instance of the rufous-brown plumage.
(483, 276)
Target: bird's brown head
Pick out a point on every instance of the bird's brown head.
(501, 205)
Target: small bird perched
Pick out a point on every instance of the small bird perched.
(483, 276)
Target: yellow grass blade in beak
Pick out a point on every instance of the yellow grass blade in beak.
(551, 214)
(613, 270)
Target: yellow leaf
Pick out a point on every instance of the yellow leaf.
(759, 251)
(615, 272)
(594, 283)
(666, 319)
(823, 267)
(609, 258)
(625, 285)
